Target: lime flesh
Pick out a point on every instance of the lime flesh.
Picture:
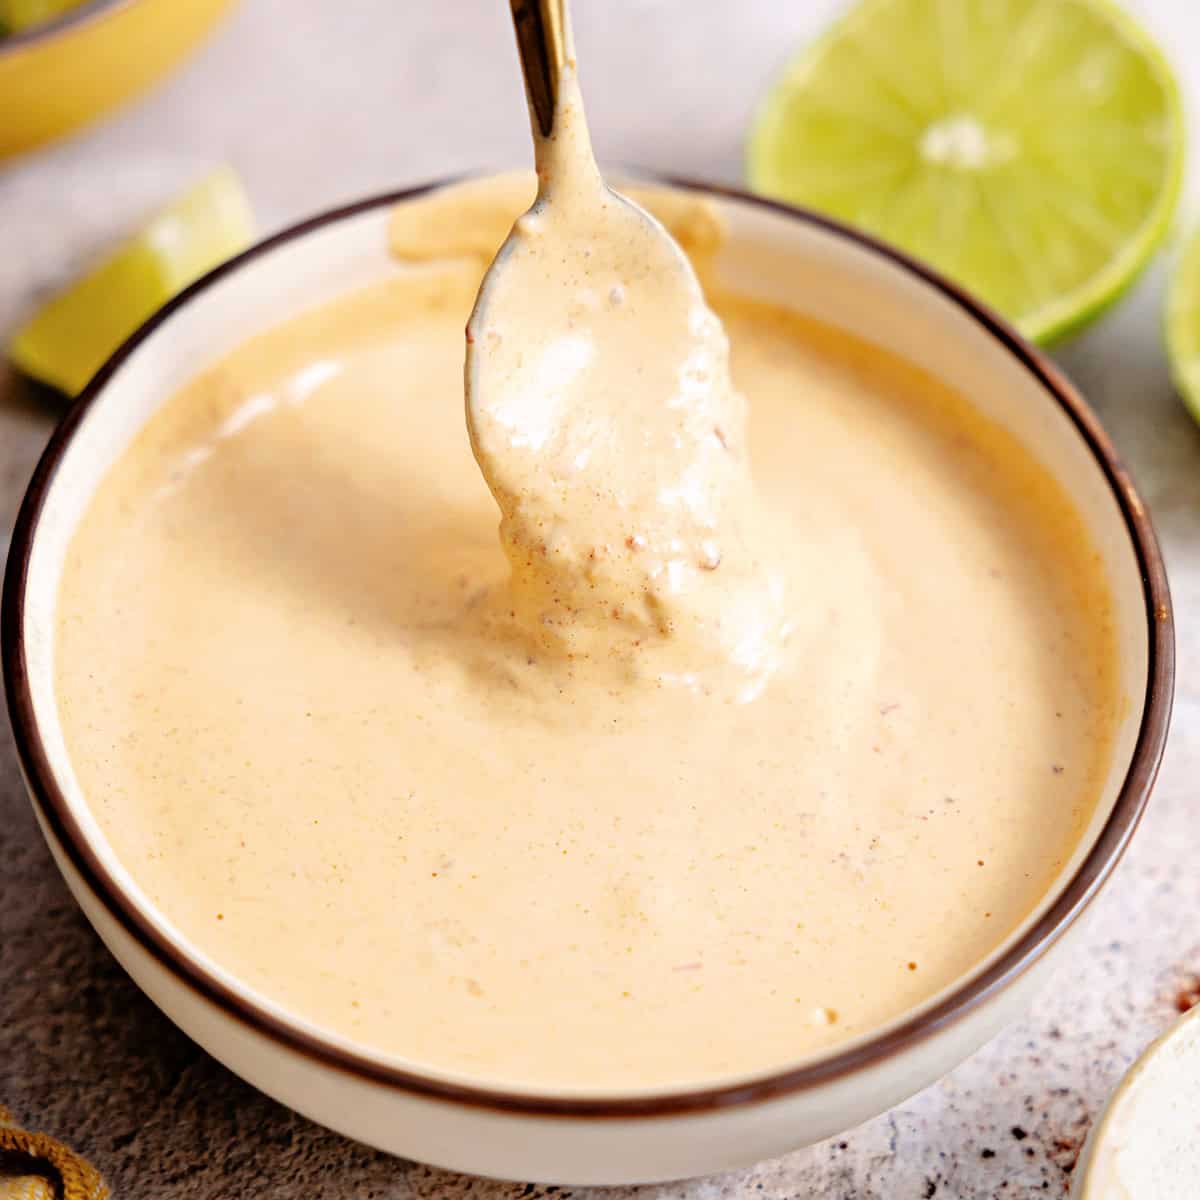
(67, 341)
(1031, 150)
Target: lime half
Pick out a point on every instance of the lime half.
(1032, 150)
(68, 340)
(1183, 325)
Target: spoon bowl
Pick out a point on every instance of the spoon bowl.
(602, 415)
(589, 307)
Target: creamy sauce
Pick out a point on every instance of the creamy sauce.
(605, 422)
(334, 777)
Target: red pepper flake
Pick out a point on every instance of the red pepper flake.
(692, 966)
(1065, 1153)
(1188, 995)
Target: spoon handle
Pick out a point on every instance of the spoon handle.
(543, 44)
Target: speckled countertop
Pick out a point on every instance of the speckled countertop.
(316, 103)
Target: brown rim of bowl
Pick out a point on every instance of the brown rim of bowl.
(966, 997)
(73, 18)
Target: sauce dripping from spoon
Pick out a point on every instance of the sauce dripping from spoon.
(602, 414)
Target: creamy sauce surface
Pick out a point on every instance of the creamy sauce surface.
(316, 745)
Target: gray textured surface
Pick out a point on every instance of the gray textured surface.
(316, 103)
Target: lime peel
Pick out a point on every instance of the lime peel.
(1182, 325)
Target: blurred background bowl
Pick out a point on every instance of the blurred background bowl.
(57, 77)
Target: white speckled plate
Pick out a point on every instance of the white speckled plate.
(1146, 1144)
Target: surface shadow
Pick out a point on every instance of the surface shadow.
(28, 414)
(29, 399)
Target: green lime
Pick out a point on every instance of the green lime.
(1183, 325)
(68, 339)
(16, 15)
(1030, 149)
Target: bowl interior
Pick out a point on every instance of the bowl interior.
(769, 254)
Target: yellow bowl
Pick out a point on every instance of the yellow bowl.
(66, 73)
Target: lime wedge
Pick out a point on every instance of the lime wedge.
(16, 15)
(68, 340)
(1032, 150)
(1183, 325)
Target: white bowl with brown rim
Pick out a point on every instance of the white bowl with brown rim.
(771, 252)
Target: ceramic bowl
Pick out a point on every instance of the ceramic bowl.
(61, 75)
(772, 252)
(1146, 1143)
